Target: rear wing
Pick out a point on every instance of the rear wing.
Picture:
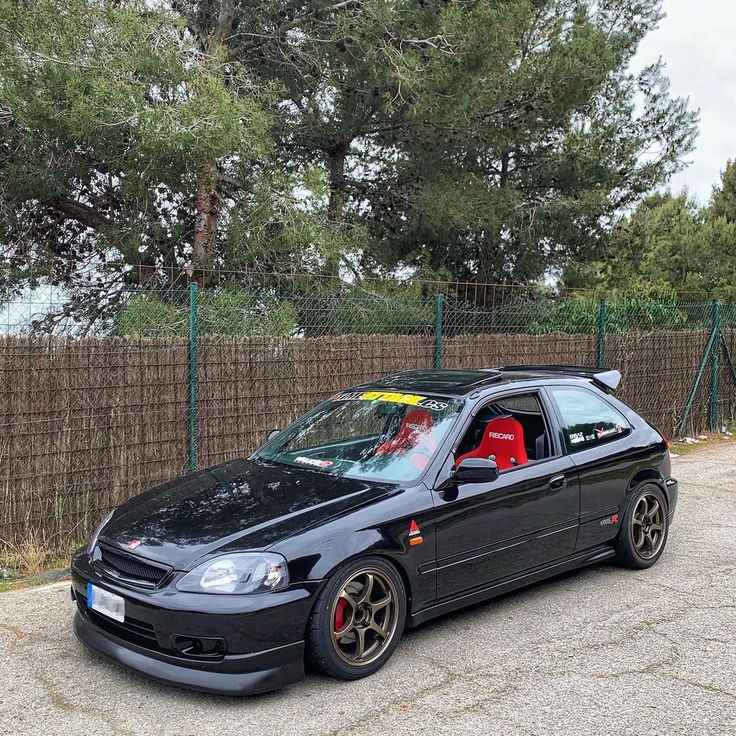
(608, 380)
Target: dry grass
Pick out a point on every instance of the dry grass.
(31, 554)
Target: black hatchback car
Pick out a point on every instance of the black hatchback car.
(384, 506)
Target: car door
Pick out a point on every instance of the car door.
(602, 444)
(525, 518)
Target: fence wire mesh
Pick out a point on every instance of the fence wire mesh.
(101, 399)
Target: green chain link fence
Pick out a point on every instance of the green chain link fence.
(104, 393)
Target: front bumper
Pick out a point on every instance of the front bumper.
(262, 635)
(245, 674)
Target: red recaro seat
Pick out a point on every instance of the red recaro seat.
(414, 434)
(504, 439)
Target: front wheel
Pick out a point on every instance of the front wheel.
(643, 535)
(357, 620)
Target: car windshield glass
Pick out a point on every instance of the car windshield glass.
(380, 435)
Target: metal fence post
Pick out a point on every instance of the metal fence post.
(602, 315)
(193, 314)
(438, 331)
(714, 388)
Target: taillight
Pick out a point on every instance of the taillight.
(664, 437)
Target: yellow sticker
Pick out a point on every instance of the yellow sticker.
(396, 398)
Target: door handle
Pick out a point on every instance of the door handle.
(557, 482)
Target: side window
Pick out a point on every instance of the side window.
(588, 420)
(511, 430)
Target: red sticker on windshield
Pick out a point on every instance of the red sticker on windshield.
(313, 461)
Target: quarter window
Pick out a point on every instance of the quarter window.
(588, 420)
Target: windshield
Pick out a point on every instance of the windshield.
(366, 434)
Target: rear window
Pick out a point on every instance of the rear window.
(588, 420)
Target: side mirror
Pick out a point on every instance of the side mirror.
(272, 434)
(475, 470)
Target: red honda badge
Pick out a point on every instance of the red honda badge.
(133, 543)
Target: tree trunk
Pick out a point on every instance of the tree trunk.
(225, 21)
(207, 207)
(487, 266)
(206, 219)
(83, 213)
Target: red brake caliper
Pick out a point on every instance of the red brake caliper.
(340, 614)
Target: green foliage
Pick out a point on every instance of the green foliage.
(529, 140)
(668, 242)
(632, 312)
(371, 312)
(492, 140)
(112, 112)
(723, 201)
(238, 312)
(241, 312)
(150, 315)
(227, 311)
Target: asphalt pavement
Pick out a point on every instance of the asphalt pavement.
(600, 651)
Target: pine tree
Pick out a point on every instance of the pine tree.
(723, 199)
(486, 139)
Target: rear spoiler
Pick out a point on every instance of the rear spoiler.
(607, 380)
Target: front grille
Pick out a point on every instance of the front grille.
(131, 630)
(132, 570)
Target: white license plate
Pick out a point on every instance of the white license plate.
(106, 603)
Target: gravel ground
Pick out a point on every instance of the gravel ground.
(599, 651)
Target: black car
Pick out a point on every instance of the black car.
(384, 506)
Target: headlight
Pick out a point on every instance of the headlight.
(93, 540)
(246, 572)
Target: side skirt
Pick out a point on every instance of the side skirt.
(589, 557)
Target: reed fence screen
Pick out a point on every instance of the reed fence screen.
(95, 408)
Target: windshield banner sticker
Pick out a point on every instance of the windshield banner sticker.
(393, 397)
(313, 461)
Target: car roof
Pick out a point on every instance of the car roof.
(462, 382)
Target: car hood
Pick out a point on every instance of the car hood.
(241, 505)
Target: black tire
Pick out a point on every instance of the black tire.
(632, 545)
(330, 652)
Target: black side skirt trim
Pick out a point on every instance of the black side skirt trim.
(589, 557)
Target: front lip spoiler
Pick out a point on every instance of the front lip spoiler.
(256, 673)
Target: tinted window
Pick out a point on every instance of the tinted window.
(588, 420)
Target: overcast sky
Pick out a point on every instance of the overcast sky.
(696, 42)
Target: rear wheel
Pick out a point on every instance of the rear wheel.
(643, 535)
(357, 620)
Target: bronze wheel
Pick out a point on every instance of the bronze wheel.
(643, 535)
(648, 524)
(364, 617)
(357, 620)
